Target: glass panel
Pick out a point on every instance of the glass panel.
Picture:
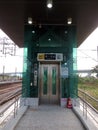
(45, 80)
(54, 81)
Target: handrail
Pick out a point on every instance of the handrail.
(88, 98)
(3, 111)
(88, 111)
(86, 106)
(17, 93)
(16, 104)
(88, 95)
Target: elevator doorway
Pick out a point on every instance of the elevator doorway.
(49, 84)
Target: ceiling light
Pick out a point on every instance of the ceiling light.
(33, 31)
(65, 32)
(49, 39)
(29, 20)
(69, 21)
(49, 3)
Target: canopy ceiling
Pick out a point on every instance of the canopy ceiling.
(14, 14)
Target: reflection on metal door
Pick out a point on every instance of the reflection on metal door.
(49, 81)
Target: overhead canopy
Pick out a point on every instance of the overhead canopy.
(14, 15)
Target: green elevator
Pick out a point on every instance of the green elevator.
(50, 63)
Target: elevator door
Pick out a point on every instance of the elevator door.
(49, 84)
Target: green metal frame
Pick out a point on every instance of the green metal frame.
(62, 40)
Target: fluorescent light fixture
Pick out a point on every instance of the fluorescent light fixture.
(69, 21)
(49, 3)
(29, 20)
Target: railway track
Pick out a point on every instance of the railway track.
(9, 91)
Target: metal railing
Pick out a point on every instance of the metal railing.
(11, 110)
(91, 101)
(88, 105)
(10, 96)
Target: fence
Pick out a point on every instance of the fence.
(88, 105)
(10, 111)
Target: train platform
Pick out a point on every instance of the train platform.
(49, 118)
(10, 82)
(46, 117)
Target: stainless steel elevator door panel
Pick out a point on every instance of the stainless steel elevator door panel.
(49, 84)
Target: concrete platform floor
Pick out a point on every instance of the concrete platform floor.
(49, 117)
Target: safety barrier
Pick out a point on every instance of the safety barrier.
(88, 110)
(10, 111)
